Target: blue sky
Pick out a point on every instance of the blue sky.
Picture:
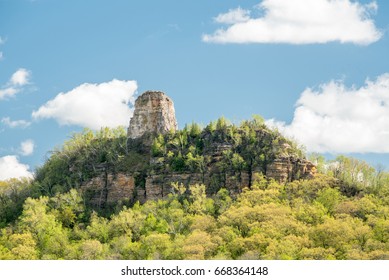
(317, 70)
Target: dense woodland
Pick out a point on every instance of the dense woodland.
(342, 213)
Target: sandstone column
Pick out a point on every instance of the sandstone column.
(154, 113)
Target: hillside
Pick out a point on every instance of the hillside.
(222, 191)
(111, 169)
(304, 219)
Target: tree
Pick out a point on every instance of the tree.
(156, 246)
(158, 147)
(356, 175)
(198, 246)
(68, 207)
(98, 228)
(336, 234)
(17, 246)
(222, 201)
(194, 129)
(92, 250)
(23, 247)
(13, 193)
(329, 198)
(198, 199)
(51, 238)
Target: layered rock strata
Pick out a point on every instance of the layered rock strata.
(286, 169)
(108, 189)
(154, 113)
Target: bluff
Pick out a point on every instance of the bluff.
(221, 155)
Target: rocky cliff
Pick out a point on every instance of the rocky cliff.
(286, 169)
(221, 155)
(154, 113)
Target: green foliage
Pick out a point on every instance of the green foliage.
(82, 157)
(13, 193)
(237, 149)
(356, 175)
(300, 220)
(48, 233)
(193, 129)
(198, 199)
(68, 208)
(329, 198)
(158, 147)
(340, 214)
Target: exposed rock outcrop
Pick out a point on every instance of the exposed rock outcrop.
(154, 113)
(159, 186)
(110, 189)
(286, 169)
(150, 174)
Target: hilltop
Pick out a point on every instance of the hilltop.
(223, 191)
(111, 168)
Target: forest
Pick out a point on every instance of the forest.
(341, 213)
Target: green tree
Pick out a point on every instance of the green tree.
(13, 193)
(49, 234)
(23, 247)
(92, 250)
(198, 246)
(329, 198)
(198, 199)
(99, 228)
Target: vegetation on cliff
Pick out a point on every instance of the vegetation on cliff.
(307, 219)
(219, 152)
(341, 213)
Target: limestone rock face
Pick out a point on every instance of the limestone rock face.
(150, 177)
(286, 169)
(154, 113)
(110, 189)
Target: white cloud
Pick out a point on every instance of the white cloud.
(10, 167)
(300, 22)
(27, 147)
(8, 92)
(18, 79)
(92, 105)
(2, 41)
(233, 16)
(18, 123)
(337, 119)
